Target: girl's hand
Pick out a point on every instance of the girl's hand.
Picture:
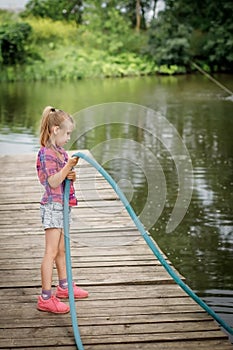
(72, 161)
(66, 172)
(71, 175)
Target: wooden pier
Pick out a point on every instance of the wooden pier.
(133, 303)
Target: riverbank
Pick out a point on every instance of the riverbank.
(68, 63)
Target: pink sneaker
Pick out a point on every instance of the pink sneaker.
(78, 292)
(53, 304)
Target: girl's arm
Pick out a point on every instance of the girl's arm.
(56, 179)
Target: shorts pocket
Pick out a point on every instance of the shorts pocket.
(56, 207)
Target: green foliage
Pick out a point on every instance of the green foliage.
(55, 9)
(6, 16)
(70, 63)
(77, 9)
(48, 31)
(211, 40)
(171, 70)
(105, 43)
(168, 42)
(128, 10)
(218, 47)
(14, 38)
(109, 31)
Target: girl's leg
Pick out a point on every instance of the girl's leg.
(48, 302)
(52, 239)
(62, 290)
(60, 259)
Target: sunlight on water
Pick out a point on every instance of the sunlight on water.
(15, 143)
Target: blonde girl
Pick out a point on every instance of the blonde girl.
(53, 167)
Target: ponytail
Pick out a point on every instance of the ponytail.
(51, 117)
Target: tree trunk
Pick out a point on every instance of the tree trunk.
(154, 8)
(138, 15)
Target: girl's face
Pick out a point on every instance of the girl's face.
(62, 133)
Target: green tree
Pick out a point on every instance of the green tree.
(212, 20)
(108, 29)
(14, 39)
(200, 30)
(168, 41)
(105, 25)
(136, 11)
(55, 9)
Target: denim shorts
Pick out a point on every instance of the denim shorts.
(52, 215)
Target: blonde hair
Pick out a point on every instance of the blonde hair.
(51, 117)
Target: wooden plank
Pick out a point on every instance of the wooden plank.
(100, 292)
(11, 280)
(19, 264)
(174, 345)
(99, 335)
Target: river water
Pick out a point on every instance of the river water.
(193, 115)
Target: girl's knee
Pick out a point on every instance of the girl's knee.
(61, 252)
(52, 253)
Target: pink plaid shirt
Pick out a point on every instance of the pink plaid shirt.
(48, 163)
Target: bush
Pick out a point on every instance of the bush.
(169, 42)
(219, 48)
(109, 31)
(46, 30)
(57, 10)
(14, 38)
